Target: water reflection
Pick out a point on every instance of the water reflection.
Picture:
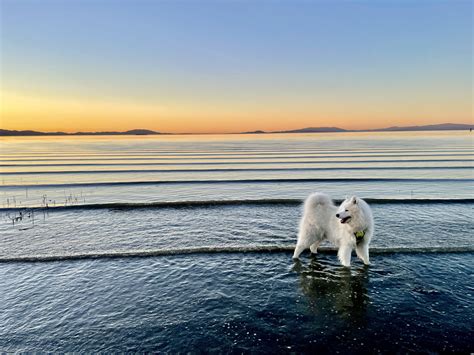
(334, 291)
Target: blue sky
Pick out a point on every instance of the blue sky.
(286, 63)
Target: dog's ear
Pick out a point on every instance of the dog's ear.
(354, 200)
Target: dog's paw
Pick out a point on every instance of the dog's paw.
(345, 263)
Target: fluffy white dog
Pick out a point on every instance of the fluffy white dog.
(348, 227)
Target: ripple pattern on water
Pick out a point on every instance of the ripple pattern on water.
(235, 303)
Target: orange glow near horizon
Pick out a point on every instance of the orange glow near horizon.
(49, 114)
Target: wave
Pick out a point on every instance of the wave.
(215, 203)
(244, 158)
(129, 163)
(236, 181)
(234, 151)
(130, 171)
(218, 250)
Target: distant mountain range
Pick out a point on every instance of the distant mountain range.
(432, 127)
(435, 127)
(134, 132)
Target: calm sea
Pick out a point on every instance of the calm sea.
(183, 244)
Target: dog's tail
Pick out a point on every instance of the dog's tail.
(317, 198)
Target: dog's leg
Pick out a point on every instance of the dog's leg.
(299, 249)
(344, 255)
(362, 251)
(304, 239)
(314, 247)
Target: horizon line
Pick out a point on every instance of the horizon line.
(322, 129)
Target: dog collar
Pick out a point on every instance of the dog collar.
(359, 236)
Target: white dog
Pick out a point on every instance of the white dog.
(349, 227)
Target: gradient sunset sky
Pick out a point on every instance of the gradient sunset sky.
(231, 66)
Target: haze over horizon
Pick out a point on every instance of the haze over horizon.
(213, 66)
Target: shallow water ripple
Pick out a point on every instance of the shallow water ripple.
(239, 303)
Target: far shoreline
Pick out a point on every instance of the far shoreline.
(451, 127)
(218, 134)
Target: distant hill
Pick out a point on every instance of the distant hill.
(11, 133)
(141, 132)
(314, 130)
(433, 127)
(6, 132)
(133, 132)
(254, 132)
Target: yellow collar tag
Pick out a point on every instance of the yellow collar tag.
(359, 236)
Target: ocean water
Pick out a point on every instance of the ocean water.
(183, 244)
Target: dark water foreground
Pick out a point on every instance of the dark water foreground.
(240, 302)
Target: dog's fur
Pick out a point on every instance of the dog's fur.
(322, 220)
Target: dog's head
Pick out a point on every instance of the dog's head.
(348, 210)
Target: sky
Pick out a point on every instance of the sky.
(210, 66)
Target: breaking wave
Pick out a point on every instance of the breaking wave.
(238, 181)
(218, 250)
(36, 163)
(246, 202)
(134, 171)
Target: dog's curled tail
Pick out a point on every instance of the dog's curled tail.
(317, 198)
